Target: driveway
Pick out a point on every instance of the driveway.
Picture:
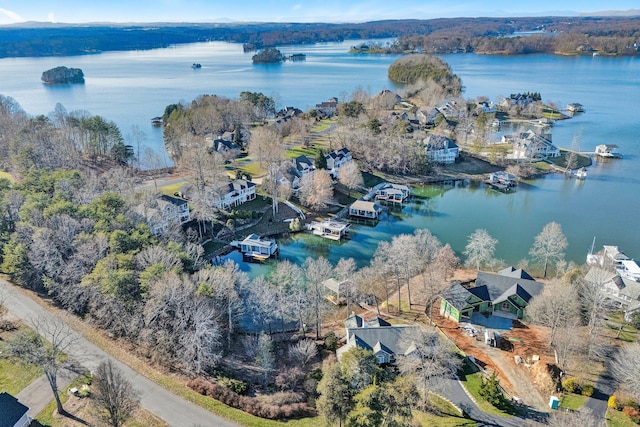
(175, 410)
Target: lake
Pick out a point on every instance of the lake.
(132, 87)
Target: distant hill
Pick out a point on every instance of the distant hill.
(630, 12)
(47, 39)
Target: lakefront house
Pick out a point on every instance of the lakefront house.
(336, 159)
(441, 149)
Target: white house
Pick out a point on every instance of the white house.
(167, 210)
(234, 194)
(530, 145)
(12, 412)
(441, 149)
(256, 248)
(622, 290)
(337, 158)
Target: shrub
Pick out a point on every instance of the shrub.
(632, 403)
(632, 413)
(588, 390)
(238, 386)
(570, 385)
(282, 398)
(492, 392)
(290, 378)
(303, 351)
(248, 404)
(330, 341)
(611, 403)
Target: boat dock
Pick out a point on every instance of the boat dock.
(502, 181)
(329, 229)
(255, 248)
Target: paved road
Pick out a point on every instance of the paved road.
(173, 409)
(598, 403)
(457, 394)
(37, 395)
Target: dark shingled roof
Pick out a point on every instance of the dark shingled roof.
(498, 284)
(353, 321)
(394, 339)
(456, 295)
(376, 322)
(10, 410)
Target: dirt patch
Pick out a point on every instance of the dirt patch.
(527, 379)
(80, 412)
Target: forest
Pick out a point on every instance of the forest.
(610, 35)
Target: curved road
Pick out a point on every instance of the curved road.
(175, 410)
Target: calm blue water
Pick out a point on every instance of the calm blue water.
(131, 87)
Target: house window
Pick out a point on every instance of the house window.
(505, 306)
(380, 358)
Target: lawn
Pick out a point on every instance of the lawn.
(572, 401)
(13, 376)
(561, 161)
(618, 419)
(472, 380)
(448, 415)
(300, 150)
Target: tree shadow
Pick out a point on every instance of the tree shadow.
(73, 417)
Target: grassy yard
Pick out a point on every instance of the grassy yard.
(572, 401)
(13, 376)
(561, 161)
(618, 419)
(448, 415)
(472, 380)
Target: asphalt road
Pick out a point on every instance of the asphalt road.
(175, 410)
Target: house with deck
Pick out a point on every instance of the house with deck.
(386, 341)
(234, 194)
(365, 209)
(441, 149)
(12, 412)
(620, 288)
(338, 290)
(336, 159)
(531, 145)
(164, 211)
(505, 294)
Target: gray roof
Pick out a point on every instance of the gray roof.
(439, 142)
(498, 284)
(173, 200)
(377, 322)
(10, 410)
(353, 321)
(391, 339)
(456, 295)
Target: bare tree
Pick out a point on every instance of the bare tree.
(45, 347)
(480, 248)
(316, 190)
(264, 356)
(548, 246)
(625, 368)
(303, 351)
(581, 418)
(266, 146)
(113, 394)
(594, 306)
(558, 306)
(432, 360)
(571, 344)
(317, 271)
(350, 176)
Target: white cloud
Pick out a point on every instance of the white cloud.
(13, 17)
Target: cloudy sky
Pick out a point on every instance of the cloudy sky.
(80, 11)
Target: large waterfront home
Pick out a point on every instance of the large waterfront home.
(505, 294)
(336, 159)
(234, 194)
(622, 289)
(441, 149)
(165, 211)
(531, 145)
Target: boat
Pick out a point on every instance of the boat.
(196, 66)
(581, 173)
(329, 229)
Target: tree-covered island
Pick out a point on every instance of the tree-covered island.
(63, 75)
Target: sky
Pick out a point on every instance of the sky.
(83, 11)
